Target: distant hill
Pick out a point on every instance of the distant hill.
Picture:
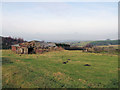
(105, 42)
(96, 43)
(6, 42)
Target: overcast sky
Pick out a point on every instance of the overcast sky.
(60, 20)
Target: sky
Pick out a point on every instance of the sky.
(58, 21)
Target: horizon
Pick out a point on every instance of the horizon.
(60, 40)
(60, 21)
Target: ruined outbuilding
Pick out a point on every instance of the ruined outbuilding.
(33, 47)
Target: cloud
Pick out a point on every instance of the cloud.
(60, 19)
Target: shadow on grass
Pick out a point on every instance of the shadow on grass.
(6, 60)
(113, 84)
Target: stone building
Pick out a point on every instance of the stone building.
(33, 47)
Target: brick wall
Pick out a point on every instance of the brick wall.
(13, 48)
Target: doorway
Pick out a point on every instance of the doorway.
(30, 50)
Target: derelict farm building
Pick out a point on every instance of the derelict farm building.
(34, 47)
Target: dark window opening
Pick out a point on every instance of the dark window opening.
(30, 50)
(22, 51)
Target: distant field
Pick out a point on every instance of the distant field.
(80, 44)
(47, 70)
(114, 46)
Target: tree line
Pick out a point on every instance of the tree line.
(105, 42)
(6, 42)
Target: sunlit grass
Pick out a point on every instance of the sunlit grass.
(47, 70)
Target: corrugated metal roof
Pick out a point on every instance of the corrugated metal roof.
(37, 44)
(17, 45)
(36, 41)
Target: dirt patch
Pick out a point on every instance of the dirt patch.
(83, 81)
(18, 60)
(59, 75)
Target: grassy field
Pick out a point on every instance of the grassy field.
(81, 43)
(48, 71)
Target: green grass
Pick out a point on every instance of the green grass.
(47, 70)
